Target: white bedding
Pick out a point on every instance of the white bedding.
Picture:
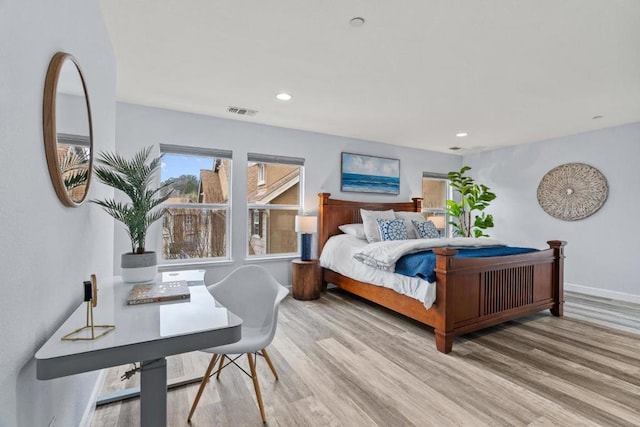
(384, 255)
(338, 253)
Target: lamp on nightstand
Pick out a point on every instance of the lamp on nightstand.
(439, 223)
(306, 225)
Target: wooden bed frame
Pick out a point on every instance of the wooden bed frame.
(471, 293)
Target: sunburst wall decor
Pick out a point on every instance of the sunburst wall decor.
(572, 191)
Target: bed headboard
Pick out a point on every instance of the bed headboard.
(333, 212)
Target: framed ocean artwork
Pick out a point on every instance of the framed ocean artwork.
(370, 174)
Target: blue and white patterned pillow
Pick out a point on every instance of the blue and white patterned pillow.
(392, 229)
(426, 229)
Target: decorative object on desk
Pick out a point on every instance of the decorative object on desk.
(90, 331)
(572, 191)
(370, 174)
(133, 177)
(473, 197)
(306, 224)
(159, 292)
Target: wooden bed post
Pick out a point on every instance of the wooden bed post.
(558, 276)
(323, 229)
(444, 330)
(417, 204)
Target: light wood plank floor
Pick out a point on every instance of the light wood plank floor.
(345, 362)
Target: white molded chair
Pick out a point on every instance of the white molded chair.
(254, 295)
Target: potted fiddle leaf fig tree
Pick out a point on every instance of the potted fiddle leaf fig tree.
(468, 216)
(134, 178)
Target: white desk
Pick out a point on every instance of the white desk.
(145, 333)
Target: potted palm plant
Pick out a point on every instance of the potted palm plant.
(134, 178)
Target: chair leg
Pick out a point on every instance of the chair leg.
(268, 359)
(220, 367)
(203, 383)
(254, 377)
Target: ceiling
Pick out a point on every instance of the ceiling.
(416, 73)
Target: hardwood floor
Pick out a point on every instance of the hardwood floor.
(343, 361)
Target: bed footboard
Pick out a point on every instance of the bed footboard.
(474, 293)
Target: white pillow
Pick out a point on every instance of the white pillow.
(408, 217)
(354, 230)
(369, 219)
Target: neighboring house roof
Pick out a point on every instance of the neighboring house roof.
(210, 187)
(214, 184)
(179, 200)
(265, 194)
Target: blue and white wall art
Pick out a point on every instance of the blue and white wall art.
(370, 174)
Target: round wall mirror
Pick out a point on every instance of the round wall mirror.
(68, 134)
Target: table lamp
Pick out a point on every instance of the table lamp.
(306, 224)
(438, 222)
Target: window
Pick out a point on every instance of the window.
(261, 174)
(196, 221)
(273, 204)
(435, 192)
(74, 152)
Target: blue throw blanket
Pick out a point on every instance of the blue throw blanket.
(422, 264)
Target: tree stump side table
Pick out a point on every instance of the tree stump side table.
(306, 280)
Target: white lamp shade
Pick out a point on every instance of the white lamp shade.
(438, 221)
(306, 224)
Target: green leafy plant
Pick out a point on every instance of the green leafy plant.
(75, 168)
(473, 197)
(133, 177)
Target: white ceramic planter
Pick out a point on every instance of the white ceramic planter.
(138, 268)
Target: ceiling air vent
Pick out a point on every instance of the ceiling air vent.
(242, 111)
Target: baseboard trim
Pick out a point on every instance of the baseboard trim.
(604, 293)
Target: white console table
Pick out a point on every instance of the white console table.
(145, 333)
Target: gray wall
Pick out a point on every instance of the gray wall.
(602, 249)
(139, 126)
(47, 249)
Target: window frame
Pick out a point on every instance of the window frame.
(262, 179)
(448, 195)
(181, 150)
(262, 160)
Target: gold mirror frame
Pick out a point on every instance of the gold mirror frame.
(50, 128)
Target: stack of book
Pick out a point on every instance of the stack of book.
(158, 292)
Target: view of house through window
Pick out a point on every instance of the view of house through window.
(273, 200)
(435, 192)
(196, 221)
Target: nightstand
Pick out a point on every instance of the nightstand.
(307, 279)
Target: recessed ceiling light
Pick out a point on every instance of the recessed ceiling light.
(596, 117)
(283, 96)
(357, 22)
(461, 134)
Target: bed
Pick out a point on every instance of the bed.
(471, 293)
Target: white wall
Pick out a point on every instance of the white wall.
(139, 126)
(602, 249)
(47, 249)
